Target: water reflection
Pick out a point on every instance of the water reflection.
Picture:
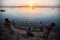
(47, 15)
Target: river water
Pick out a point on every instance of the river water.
(24, 16)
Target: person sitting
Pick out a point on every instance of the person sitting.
(34, 28)
(49, 28)
(29, 32)
(9, 25)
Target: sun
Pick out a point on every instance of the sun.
(31, 3)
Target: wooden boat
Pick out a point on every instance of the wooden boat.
(2, 10)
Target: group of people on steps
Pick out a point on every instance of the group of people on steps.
(43, 28)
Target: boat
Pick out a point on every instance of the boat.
(2, 10)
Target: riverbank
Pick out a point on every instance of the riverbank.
(22, 35)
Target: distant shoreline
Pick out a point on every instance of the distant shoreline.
(29, 6)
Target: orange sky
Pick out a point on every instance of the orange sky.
(29, 2)
(34, 4)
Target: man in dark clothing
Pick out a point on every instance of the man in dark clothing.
(29, 32)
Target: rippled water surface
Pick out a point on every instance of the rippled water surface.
(34, 16)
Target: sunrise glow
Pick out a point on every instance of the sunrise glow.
(31, 2)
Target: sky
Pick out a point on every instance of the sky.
(25, 2)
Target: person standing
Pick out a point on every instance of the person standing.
(41, 26)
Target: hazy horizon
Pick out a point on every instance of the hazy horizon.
(28, 2)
